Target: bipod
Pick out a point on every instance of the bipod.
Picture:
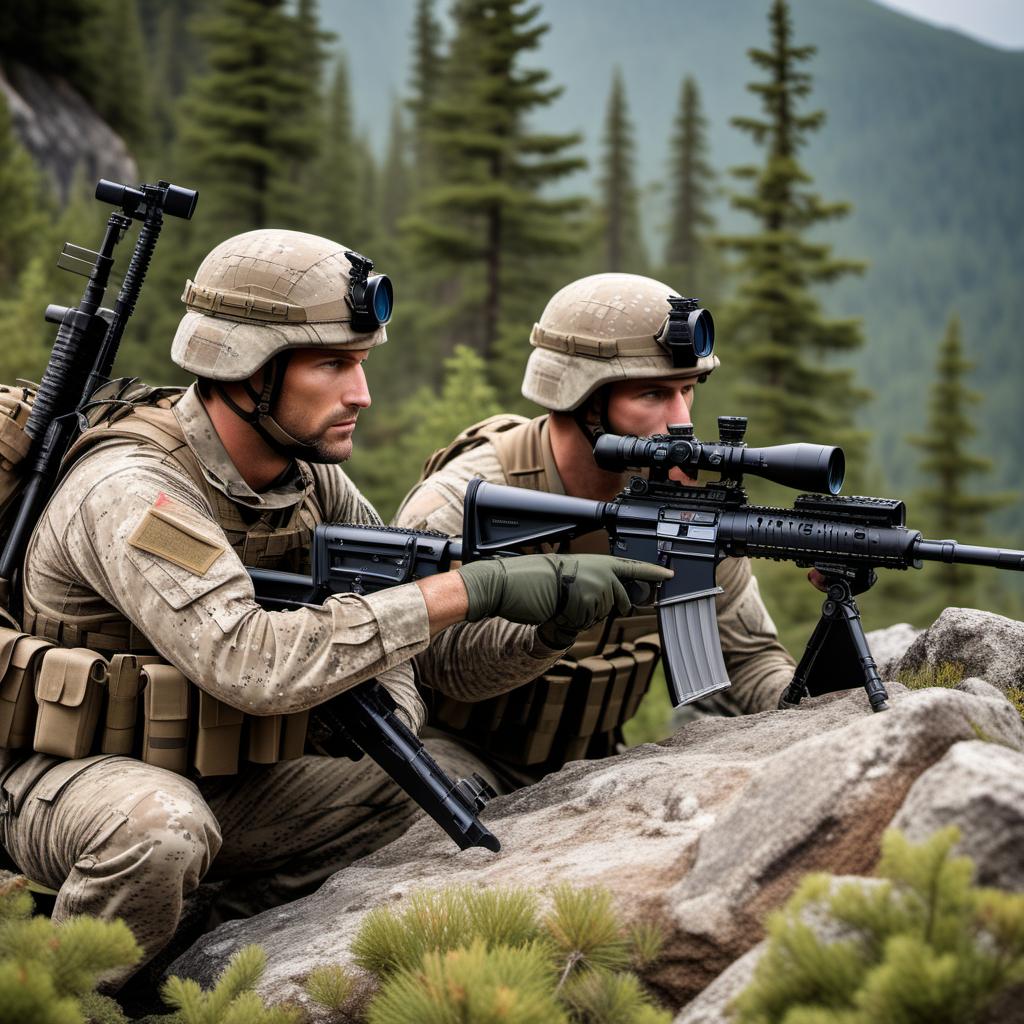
(837, 656)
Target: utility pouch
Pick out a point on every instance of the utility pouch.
(218, 737)
(623, 666)
(15, 408)
(646, 652)
(586, 699)
(272, 738)
(263, 742)
(69, 690)
(531, 743)
(165, 714)
(123, 686)
(20, 657)
(293, 735)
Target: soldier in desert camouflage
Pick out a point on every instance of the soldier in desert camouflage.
(143, 549)
(599, 363)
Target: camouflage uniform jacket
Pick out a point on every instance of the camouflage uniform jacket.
(131, 545)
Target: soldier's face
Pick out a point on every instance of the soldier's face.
(322, 394)
(645, 407)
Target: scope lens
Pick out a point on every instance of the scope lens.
(702, 331)
(836, 470)
(382, 298)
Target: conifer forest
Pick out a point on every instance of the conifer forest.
(857, 251)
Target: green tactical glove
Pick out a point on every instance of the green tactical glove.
(563, 594)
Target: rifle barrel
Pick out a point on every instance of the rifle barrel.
(953, 552)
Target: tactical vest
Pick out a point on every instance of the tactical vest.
(578, 707)
(128, 701)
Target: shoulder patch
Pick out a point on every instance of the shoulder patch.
(166, 531)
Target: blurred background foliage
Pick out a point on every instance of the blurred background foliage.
(841, 184)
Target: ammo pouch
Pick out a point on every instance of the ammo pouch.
(273, 738)
(20, 657)
(185, 726)
(574, 710)
(70, 687)
(165, 718)
(123, 686)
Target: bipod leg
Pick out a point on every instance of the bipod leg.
(799, 687)
(841, 606)
(848, 661)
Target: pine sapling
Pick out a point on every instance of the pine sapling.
(232, 1000)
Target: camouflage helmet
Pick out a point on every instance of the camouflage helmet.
(260, 293)
(599, 330)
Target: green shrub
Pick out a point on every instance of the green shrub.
(925, 945)
(946, 675)
(48, 971)
(232, 1000)
(465, 955)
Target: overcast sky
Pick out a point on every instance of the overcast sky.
(996, 22)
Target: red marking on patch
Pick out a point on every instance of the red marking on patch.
(161, 499)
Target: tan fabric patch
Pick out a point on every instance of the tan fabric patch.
(164, 532)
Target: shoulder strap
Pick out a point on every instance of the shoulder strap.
(154, 423)
(472, 437)
(521, 454)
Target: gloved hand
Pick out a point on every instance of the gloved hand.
(563, 594)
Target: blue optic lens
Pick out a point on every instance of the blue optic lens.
(382, 301)
(703, 329)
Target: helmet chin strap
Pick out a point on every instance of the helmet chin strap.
(261, 417)
(581, 414)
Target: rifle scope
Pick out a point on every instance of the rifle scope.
(172, 200)
(806, 467)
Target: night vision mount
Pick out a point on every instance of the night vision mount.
(371, 297)
(689, 332)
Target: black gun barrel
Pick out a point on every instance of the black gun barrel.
(808, 467)
(953, 552)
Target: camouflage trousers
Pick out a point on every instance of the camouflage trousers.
(120, 838)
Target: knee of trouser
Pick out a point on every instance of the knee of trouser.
(179, 835)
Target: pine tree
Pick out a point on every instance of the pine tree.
(233, 1000)
(25, 337)
(426, 74)
(487, 956)
(784, 342)
(953, 507)
(48, 972)
(48, 34)
(338, 198)
(121, 89)
(177, 57)
(619, 197)
(22, 203)
(924, 944)
(688, 253)
(424, 422)
(246, 133)
(394, 187)
(485, 226)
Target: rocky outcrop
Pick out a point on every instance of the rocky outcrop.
(979, 787)
(707, 832)
(890, 644)
(61, 131)
(983, 644)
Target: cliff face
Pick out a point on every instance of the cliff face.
(61, 131)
